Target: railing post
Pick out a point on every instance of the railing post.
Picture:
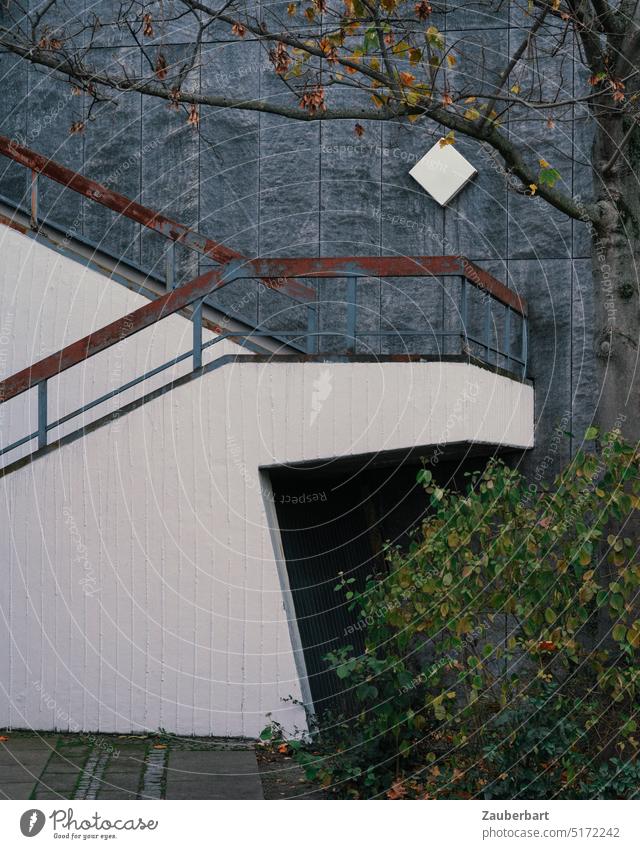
(352, 310)
(507, 333)
(197, 334)
(464, 309)
(170, 266)
(525, 345)
(312, 329)
(42, 414)
(487, 324)
(34, 200)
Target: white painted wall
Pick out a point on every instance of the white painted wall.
(139, 582)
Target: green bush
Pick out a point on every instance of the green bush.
(501, 658)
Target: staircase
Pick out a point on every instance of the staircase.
(145, 583)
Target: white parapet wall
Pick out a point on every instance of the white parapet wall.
(140, 584)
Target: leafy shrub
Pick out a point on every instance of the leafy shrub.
(502, 656)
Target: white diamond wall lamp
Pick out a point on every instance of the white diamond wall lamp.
(443, 172)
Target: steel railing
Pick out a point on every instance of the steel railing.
(492, 343)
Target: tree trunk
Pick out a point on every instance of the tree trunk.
(616, 281)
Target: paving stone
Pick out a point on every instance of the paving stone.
(23, 760)
(213, 775)
(16, 791)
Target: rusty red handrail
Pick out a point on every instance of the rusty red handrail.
(126, 207)
(386, 266)
(390, 266)
(183, 296)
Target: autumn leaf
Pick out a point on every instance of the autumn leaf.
(400, 48)
(161, 67)
(3, 739)
(515, 88)
(160, 746)
(147, 25)
(329, 50)
(448, 139)
(471, 115)
(423, 10)
(434, 37)
(194, 117)
(291, 9)
(283, 748)
(447, 100)
(451, 60)
(239, 30)
(550, 123)
(358, 130)
(397, 791)
(280, 59)
(313, 100)
(406, 78)
(618, 90)
(415, 55)
(76, 127)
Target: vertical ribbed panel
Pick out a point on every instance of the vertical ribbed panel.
(140, 587)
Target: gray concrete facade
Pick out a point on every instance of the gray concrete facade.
(266, 185)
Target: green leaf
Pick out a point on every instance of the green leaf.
(371, 41)
(550, 616)
(591, 433)
(548, 177)
(619, 632)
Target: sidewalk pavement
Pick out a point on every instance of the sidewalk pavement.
(79, 766)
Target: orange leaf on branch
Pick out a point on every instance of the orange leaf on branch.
(313, 100)
(329, 50)
(161, 67)
(239, 30)
(194, 116)
(280, 59)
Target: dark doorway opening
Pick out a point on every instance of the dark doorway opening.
(335, 520)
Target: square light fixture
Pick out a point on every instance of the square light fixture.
(443, 172)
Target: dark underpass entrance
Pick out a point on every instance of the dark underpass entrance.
(336, 520)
